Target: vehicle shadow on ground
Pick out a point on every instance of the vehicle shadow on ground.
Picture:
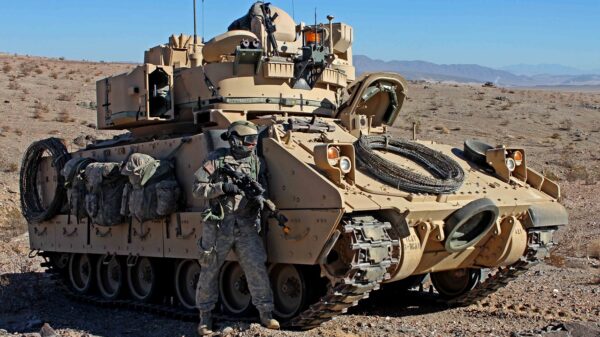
(28, 300)
(393, 302)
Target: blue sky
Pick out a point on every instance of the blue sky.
(488, 32)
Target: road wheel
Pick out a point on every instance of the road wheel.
(81, 273)
(289, 290)
(142, 279)
(186, 279)
(453, 283)
(233, 289)
(110, 274)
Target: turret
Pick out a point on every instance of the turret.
(264, 64)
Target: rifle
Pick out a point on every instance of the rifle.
(254, 191)
(269, 26)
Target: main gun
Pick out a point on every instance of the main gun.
(254, 191)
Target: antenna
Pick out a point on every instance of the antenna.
(203, 33)
(195, 34)
(293, 11)
(315, 19)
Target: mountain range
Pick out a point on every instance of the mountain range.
(517, 75)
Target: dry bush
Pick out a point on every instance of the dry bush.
(64, 97)
(38, 70)
(507, 106)
(13, 85)
(39, 109)
(64, 117)
(504, 122)
(6, 68)
(55, 87)
(555, 135)
(15, 224)
(54, 75)
(555, 260)
(10, 167)
(18, 132)
(565, 125)
(577, 172)
(4, 128)
(593, 249)
(551, 175)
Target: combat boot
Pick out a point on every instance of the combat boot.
(267, 320)
(205, 326)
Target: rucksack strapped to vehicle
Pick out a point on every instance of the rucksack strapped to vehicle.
(73, 172)
(152, 191)
(104, 189)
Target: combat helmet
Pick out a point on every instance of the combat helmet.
(242, 137)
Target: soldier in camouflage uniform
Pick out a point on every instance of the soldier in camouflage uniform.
(231, 222)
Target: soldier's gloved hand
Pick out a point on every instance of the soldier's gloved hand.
(230, 189)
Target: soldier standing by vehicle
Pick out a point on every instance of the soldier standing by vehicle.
(232, 221)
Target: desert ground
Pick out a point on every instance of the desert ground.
(559, 128)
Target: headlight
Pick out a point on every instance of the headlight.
(345, 165)
(511, 164)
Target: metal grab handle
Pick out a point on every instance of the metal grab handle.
(73, 232)
(186, 236)
(132, 260)
(105, 234)
(106, 259)
(40, 233)
(142, 234)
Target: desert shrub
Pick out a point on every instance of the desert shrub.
(577, 172)
(13, 85)
(565, 125)
(10, 167)
(551, 175)
(14, 224)
(6, 68)
(54, 75)
(64, 97)
(18, 132)
(555, 260)
(555, 135)
(593, 249)
(64, 117)
(39, 109)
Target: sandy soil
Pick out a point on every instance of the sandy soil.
(560, 130)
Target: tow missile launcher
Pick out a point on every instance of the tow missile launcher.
(118, 222)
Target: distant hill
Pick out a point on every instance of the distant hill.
(421, 70)
(543, 69)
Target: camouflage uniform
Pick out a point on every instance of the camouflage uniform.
(238, 230)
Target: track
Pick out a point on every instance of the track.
(369, 239)
(372, 248)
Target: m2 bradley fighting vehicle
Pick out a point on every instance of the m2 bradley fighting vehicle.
(118, 222)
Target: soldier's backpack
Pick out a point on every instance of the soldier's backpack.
(73, 172)
(104, 190)
(152, 191)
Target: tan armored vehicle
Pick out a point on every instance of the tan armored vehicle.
(117, 220)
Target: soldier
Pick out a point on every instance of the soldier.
(231, 222)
